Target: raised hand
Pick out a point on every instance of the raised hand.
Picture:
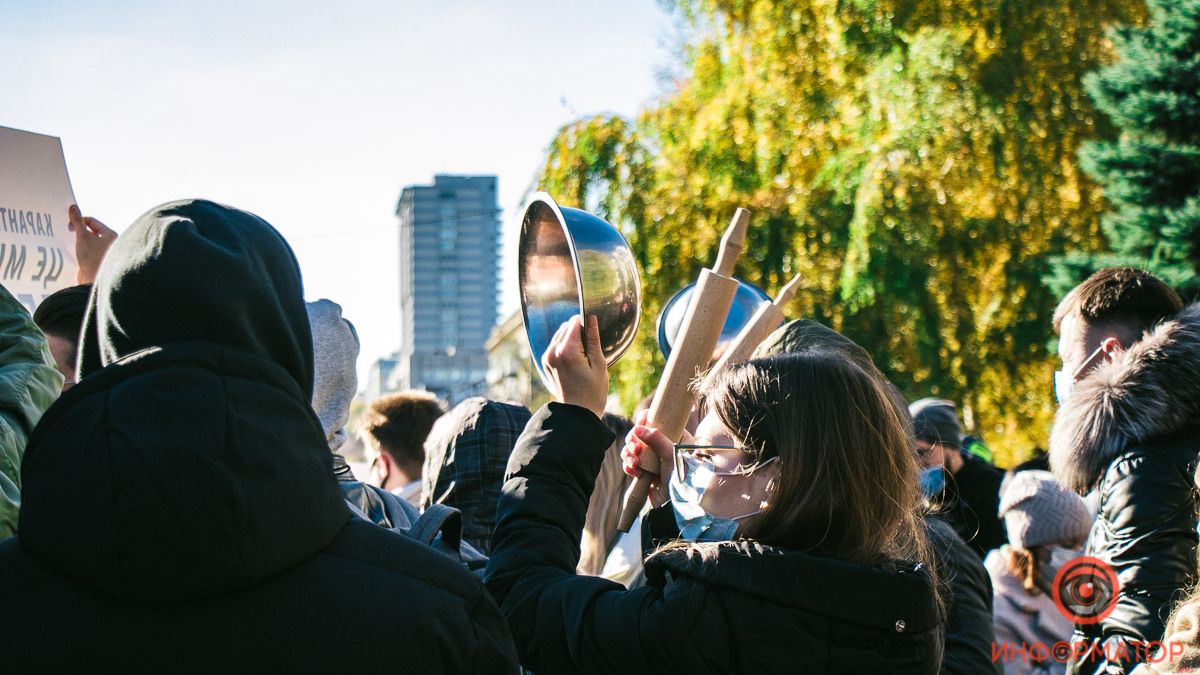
(92, 240)
(574, 363)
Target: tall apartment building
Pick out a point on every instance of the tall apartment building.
(449, 284)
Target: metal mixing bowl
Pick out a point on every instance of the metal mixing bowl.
(746, 302)
(571, 262)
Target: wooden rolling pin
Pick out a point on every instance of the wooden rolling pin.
(766, 319)
(691, 354)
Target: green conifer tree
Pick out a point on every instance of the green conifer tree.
(1151, 173)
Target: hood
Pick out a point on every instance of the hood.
(191, 463)
(197, 271)
(1150, 390)
(872, 595)
(466, 456)
(335, 359)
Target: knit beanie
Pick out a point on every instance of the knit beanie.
(1038, 510)
(335, 378)
(936, 421)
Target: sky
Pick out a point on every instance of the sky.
(314, 115)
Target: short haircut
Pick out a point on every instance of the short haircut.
(1119, 296)
(61, 313)
(398, 424)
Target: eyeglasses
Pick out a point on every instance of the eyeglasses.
(717, 460)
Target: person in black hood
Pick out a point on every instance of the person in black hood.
(180, 512)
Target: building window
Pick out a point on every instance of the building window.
(448, 226)
(448, 285)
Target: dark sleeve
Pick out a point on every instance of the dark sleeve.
(658, 528)
(1148, 516)
(967, 594)
(494, 651)
(561, 622)
(991, 529)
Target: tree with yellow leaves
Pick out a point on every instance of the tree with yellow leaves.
(914, 160)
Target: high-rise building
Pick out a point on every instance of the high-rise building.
(449, 284)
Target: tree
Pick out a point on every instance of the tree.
(1151, 173)
(914, 160)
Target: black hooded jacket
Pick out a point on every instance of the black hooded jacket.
(712, 608)
(1131, 431)
(180, 513)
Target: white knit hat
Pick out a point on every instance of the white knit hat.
(1038, 510)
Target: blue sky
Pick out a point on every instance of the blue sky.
(314, 115)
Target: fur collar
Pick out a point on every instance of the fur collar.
(1150, 390)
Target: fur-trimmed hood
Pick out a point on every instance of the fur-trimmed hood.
(1150, 390)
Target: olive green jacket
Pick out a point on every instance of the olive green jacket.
(29, 383)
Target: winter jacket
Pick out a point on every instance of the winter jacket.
(180, 509)
(1025, 620)
(29, 383)
(965, 589)
(735, 607)
(968, 596)
(1131, 431)
(465, 457)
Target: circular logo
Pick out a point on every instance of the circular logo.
(1085, 590)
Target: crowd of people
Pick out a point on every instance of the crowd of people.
(174, 497)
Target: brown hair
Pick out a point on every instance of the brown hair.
(847, 485)
(604, 509)
(398, 424)
(1024, 565)
(1123, 297)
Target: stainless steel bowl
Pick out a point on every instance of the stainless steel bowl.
(571, 262)
(746, 302)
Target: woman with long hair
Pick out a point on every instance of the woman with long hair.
(798, 508)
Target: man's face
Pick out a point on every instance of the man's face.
(930, 454)
(1073, 348)
(1078, 345)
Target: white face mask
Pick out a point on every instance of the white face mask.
(1050, 566)
(1064, 383)
(1060, 556)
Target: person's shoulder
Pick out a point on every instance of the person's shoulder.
(23, 577)
(391, 559)
(980, 470)
(1162, 457)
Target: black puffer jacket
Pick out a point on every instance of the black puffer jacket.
(729, 608)
(1130, 430)
(970, 634)
(180, 511)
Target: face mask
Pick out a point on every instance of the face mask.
(375, 474)
(932, 481)
(1064, 383)
(1050, 566)
(696, 524)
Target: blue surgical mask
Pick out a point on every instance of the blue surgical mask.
(932, 480)
(695, 523)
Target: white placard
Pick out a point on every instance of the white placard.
(37, 251)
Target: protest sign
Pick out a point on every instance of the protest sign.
(37, 251)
